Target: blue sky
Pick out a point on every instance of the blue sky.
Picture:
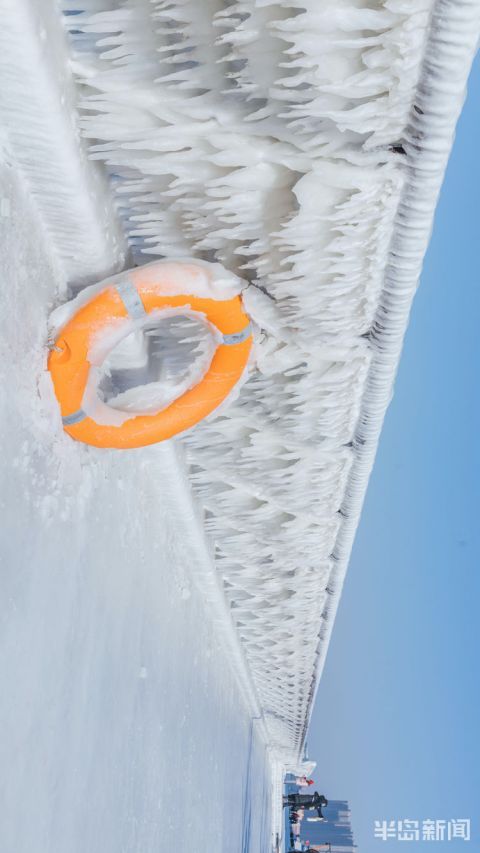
(395, 728)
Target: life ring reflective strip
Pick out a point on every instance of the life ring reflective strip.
(69, 364)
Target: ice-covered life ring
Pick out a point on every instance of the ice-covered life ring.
(101, 316)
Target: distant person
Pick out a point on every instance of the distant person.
(307, 801)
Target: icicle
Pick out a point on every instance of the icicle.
(259, 134)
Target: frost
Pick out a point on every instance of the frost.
(301, 145)
(263, 135)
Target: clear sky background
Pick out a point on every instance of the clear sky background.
(396, 725)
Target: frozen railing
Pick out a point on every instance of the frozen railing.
(316, 180)
(228, 135)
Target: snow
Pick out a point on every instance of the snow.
(181, 353)
(149, 397)
(284, 148)
(38, 109)
(284, 161)
(273, 151)
(171, 278)
(123, 726)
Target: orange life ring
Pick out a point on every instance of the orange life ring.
(135, 298)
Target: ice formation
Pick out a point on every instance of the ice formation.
(38, 110)
(269, 136)
(301, 145)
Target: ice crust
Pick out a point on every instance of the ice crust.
(119, 665)
(173, 278)
(268, 136)
(151, 397)
(40, 135)
(290, 141)
(303, 146)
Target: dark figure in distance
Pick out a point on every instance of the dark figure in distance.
(305, 801)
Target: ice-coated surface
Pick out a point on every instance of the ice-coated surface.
(41, 134)
(303, 147)
(121, 725)
(188, 276)
(266, 135)
(281, 139)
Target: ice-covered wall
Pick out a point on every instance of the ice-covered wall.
(272, 136)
